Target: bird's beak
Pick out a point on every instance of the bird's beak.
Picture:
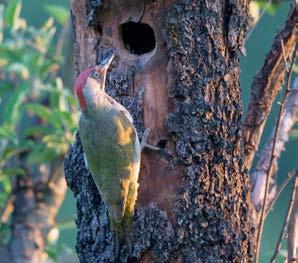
(107, 62)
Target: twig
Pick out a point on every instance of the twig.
(269, 171)
(288, 120)
(42, 52)
(293, 230)
(7, 209)
(284, 54)
(61, 39)
(286, 220)
(261, 16)
(280, 190)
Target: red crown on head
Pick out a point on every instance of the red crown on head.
(80, 84)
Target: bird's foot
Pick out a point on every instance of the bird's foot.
(144, 140)
(85, 160)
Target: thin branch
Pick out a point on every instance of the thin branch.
(7, 209)
(288, 120)
(42, 52)
(267, 84)
(293, 230)
(286, 220)
(284, 54)
(261, 16)
(269, 171)
(280, 190)
(61, 39)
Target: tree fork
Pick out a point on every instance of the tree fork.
(183, 84)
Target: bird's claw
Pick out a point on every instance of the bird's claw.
(85, 160)
(144, 140)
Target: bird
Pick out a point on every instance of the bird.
(112, 150)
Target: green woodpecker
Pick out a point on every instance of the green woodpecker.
(111, 147)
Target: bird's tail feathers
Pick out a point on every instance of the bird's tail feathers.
(122, 233)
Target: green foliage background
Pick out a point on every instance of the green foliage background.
(38, 113)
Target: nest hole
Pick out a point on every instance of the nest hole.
(138, 38)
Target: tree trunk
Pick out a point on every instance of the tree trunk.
(177, 71)
(37, 202)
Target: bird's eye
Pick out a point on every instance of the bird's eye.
(95, 74)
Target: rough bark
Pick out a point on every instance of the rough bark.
(293, 228)
(193, 202)
(267, 84)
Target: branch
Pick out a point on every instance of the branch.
(280, 190)
(267, 84)
(293, 229)
(269, 171)
(7, 209)
(287, 121)
(286, 220)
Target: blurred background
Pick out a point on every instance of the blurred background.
(36, 56)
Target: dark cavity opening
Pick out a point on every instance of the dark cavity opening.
(138, 38)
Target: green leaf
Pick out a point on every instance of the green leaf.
(43, 112)
(294, 135)
(1, 22)
(4, 227)
(41, 155)
(295, 68)
(39, 110)
(58, 12)
(47, 27)
(48, 67)
(63, 117)
(6, 184)
(12, 12)
(37, 130)
(11, 109)
(52, 254)
(12, 52)
(63, 92)
(5, 131)
(20, 69)
(5, 87)
(13, 150)
(56, 142)
(270, 9)
(13, 171)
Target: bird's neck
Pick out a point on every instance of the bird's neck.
(96, 99)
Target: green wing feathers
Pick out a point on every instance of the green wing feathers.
(112, 151)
